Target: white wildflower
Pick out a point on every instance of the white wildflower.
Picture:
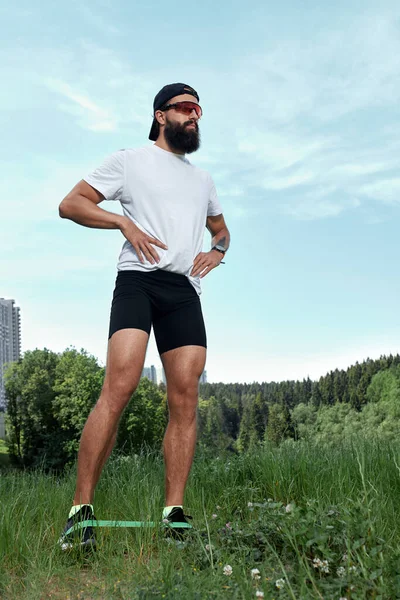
(341, 572)
(343, 598)
(249, 505)
(255, 573)
(353, 569)
(270, 500)
(214, 516)
(322, 565)
(259, 594)
(228, 570)
(316, 563)
(344, 558)
(280, 583)
(289, 508)
(218, 507)
(209, 547)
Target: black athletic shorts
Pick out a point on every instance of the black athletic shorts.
(168, 301)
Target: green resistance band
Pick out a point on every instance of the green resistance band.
(83, 524)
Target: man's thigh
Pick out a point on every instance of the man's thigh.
(125, 360)
(130, 326)
(183, 367)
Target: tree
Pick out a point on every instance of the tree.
(316, 396)
(144, 419)
(50, 397)
(77, 387)
(32, 429)
(279, 425)
(245, 432)
(384, 385)
(304, 417)
(334, 423)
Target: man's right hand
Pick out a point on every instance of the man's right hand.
(141, 242)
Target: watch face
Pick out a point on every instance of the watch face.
(220, 248)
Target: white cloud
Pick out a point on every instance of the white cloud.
(284, 182)
(37, 195)
(387, 190)
(314, 206)
(93, 116)
(102, 91)
(312, 121)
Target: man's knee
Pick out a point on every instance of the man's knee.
(183, 415)
(117, 393)
(183, 401)
(185, 385)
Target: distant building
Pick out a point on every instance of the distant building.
(203, 377)
(10, 339)
(150, 373)
(158, 375)
(161, 376)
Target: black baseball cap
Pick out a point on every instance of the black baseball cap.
(166, 93)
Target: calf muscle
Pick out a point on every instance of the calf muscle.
(125, 360)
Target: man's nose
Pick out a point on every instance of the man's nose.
(194, 115)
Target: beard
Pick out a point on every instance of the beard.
(182, 139)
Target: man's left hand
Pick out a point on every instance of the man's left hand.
(206, 262)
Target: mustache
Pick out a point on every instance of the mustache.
(191, 123)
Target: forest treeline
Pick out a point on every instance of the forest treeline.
(364, 399)
(50, 395)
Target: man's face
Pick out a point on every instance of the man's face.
(182, 131)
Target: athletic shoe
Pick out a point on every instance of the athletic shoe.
(177, 516)
(79, 537)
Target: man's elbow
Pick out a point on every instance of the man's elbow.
(62, 210)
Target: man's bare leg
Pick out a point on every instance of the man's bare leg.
(183, 367)
(125, 360)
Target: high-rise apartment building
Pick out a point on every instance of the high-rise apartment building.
(10, 339)
(150, 373)
(158, 375)
(161, 376)
(203, 377)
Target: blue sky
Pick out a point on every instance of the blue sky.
(300, 133)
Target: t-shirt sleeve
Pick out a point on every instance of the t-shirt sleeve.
(214, 207)
(109, 177)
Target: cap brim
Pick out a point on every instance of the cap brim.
(153, 135)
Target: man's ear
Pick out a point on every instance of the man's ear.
(160, 116)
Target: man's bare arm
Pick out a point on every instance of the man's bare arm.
(206, 261)
(219, 231)
(81, 206)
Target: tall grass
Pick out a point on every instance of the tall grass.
(280, 510)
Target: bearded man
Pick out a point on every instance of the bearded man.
(167, 203)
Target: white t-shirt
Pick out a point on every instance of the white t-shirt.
(166, 197)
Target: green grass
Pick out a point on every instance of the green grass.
(307, 503)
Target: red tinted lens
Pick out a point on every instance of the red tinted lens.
(187, 107)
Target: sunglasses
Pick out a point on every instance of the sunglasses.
(185, 108)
